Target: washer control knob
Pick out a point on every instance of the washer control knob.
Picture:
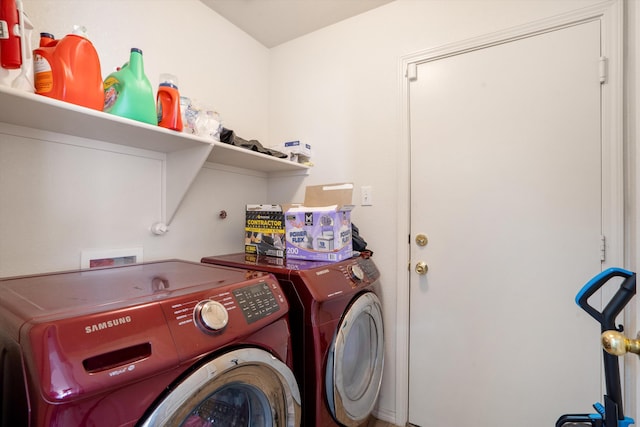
(211, 315)
(356, 273)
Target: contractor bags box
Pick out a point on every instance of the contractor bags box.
(264, 230)
(320, 229)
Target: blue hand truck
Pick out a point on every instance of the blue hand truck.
(611, 413)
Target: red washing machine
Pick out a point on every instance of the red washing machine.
(157, 344)
(337, 329)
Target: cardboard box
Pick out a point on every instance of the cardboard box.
(264, 260)
(320, 228)
(297, 151)
(264, 230)
(297, 147)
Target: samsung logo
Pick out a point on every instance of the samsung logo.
(107, 324)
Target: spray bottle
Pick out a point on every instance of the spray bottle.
(24, 80)
(22, 77)
(10, 57)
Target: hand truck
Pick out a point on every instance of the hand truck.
(611, 413)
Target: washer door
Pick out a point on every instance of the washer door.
(356, 360)
(246, 387)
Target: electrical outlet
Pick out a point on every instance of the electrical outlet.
(366, 193)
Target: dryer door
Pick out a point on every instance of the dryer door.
(246, 387)
(356, 359)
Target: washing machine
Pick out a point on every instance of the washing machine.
(337, 330)
(164, 343)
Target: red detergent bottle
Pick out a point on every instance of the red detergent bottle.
(10, 55)
(168, 103)
(69, 69)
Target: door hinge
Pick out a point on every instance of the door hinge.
(412, 72)
(603, 248)
(602, 69)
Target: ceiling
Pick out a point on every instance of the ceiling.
(273, 22)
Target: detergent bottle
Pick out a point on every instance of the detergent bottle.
(128, 92)
(168, 103)
(68, 69)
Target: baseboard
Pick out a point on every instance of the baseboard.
(386, 415)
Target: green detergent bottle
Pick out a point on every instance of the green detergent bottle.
(128, 92)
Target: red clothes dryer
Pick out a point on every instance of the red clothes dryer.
(155, 344)
(337, 330)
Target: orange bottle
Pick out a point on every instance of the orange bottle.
(69, 70)
(47, 40)
(168, 103)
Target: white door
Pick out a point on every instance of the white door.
(506, 185)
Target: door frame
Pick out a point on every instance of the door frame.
(610, 14)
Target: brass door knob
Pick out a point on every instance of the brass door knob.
(617, 344)
(422, 268)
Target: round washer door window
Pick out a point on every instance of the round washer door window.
(244, 388)
(356, 361)
(235, 404)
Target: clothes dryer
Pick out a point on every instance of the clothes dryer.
(337, 330)
(157, 344)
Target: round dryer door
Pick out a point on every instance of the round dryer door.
(247, 387)
(356, 361)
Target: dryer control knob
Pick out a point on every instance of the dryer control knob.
(357, 273)
(211, 315)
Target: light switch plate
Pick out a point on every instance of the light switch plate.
(366, 193)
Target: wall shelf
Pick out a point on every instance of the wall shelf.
(185, 154)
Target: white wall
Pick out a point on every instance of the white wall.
(339, 88)
(60, 199)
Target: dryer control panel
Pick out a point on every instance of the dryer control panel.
(329, 281)
(361, 271)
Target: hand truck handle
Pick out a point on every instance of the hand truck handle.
(619, 300)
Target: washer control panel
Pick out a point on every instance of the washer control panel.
(256, 301)
(215, 316)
